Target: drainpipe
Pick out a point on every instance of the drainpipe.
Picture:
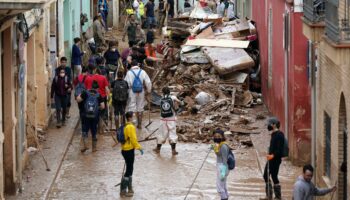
(312, 72)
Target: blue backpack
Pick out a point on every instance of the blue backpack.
(120, 134)
(231, 161)
(80, 87)
(91, 105)
(137, 86)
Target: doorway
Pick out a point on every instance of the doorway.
(342, 150)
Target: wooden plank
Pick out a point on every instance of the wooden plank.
(228, 60)
(217, 43)
(206, 34)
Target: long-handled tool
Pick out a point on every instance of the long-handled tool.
(41, 151)
(122, 176)
(151, 133)
(195, 178)
(149, 115)
(111, 133)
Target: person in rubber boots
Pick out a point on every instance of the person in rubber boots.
(167, 121)
(128, 152)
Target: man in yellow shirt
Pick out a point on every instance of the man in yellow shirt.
(128, 152)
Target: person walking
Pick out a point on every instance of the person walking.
(150, 17)
(120, 97)
(98, 31)
(137, 79)
(59, 90)
(274, 159)
(161, 15)
(221, 150)
(112, 57)
(76, 57)
(168, 121)
(304, 189)
(130, 29)
(93, 103)
(128, 152)
(81, 85)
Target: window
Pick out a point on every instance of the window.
(327, 155)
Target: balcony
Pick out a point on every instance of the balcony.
(337, 27)
(314, 11)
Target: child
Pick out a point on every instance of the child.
(128, 152)
(168, 121)
(221, 150)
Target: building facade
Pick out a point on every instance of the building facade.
(33, 35)
(326, 25)
(284, 70)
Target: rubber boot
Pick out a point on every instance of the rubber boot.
(94, 143)
(173, 149)
(139, 120)
(277, 190)
(58, 118)
(123, 186)
(130, 189)
(83, 145)
(157, 149)
(268, 191)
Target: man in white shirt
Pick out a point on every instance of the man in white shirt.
(136, 101)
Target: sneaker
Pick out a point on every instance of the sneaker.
(58, 125)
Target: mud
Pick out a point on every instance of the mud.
(94, 175)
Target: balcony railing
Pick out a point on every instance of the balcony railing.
(337, 27)
(314, 10)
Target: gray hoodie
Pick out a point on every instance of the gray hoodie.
(304, 190)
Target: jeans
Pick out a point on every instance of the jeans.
(151, 20)
(69, 102)
(129, 157)
(90, 124)
(61, 105)
(274, 166)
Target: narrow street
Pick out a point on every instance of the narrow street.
(94, 175)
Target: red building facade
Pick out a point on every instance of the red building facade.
(284, 70)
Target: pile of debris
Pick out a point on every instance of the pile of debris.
(212, 73)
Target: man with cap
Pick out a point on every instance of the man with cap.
(274, 159)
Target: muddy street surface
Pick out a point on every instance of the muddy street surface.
(94, 175)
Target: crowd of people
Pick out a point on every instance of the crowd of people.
(114, 83)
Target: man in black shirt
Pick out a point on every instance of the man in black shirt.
(274, 159)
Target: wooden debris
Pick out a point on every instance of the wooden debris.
(228, 60)
(217, 43)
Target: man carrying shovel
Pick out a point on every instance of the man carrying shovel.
(167, 122)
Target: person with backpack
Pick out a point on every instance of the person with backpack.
(129, 145)
(80, 85)
(59, 89)
(274, 159)
(92, 102)
(120, 97)
(168, 121)
(68, 73)
(139, 83)
(222, 152)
